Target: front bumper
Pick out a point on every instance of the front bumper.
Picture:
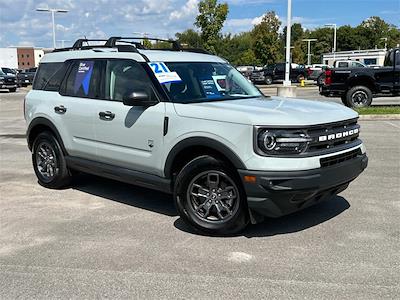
(274, 194)
(8, 86)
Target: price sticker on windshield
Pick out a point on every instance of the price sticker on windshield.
(163, 74)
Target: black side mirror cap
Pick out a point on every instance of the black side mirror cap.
(138, 98)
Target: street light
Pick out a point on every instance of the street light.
(334, 26)
(309, 49)
(385, 39)
(53, 11)
(288, 37)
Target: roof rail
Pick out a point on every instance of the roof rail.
(79, 43)
(114, 39)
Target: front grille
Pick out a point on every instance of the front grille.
(332, 135)
(336, 159)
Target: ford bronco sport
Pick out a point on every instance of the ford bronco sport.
(187, 123)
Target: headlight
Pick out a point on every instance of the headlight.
(280, 141)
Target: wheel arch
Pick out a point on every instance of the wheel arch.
(39, 125)
(192, 147)
(362, 80)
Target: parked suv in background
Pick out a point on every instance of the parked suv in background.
(25, 77)
(275, 72)
(8, 80)
(187, 123)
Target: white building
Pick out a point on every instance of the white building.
(371, 57)
(9, 58)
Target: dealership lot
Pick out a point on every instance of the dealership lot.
(102, 238)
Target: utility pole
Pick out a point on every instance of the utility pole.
(62, 42)
(334, 26)
(309, 49)
(287, 81)
(53, 11)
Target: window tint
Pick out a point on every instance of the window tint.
(124, 77)
(343, 65)
(398, 58)
(45, 73)
(280, 67)
(83, 79)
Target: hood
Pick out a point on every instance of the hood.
(274, 111)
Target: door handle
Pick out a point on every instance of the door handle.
(60, 109)
(106, 115)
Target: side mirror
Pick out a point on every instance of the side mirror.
(138, 98)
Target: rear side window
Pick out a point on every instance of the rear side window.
(343, 65)
(83, 79)
(398, 58)
(45, 73)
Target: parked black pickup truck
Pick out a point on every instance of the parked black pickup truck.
(8, 81)
(276, 72)
(25, 77)
(357, 86)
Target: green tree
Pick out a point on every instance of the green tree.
(267, 45)
(189, 38)
(210, 20)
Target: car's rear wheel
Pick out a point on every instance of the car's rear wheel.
(321, 80)
(359, 96)
(49, 162)
(209, 197)
(268, 80)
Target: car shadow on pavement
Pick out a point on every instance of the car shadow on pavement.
(296, 222)
(126, 194)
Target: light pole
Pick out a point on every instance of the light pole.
(288, 37)
(334, 26)
(309, 49)
(53, 11)
(62, 42)
(385, 39)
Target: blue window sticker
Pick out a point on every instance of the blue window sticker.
(83, 76)
(209, 87)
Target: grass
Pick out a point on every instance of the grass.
(379, 110)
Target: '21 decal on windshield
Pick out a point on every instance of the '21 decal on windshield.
(163, 74)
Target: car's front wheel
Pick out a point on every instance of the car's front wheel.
(268, 80)
(209, 197)
(49, 162)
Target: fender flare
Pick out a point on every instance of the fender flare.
(44, 122)
(202, 141)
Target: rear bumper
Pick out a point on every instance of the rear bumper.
(275, 194)
(329, 91)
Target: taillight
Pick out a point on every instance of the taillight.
(309, 72)
(328, 77)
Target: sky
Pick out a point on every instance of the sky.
(21, 25)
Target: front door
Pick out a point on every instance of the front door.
(128, 136)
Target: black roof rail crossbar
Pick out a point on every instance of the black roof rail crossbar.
(113, 40)
(79, 43)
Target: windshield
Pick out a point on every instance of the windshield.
(8, 71)
(204, 82)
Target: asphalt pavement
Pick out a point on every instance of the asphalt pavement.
(100, 238)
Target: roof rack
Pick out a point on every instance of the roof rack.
(114, 39)
(128, 46)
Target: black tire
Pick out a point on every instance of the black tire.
(208, 216)
(300, 77)
(13, 90)
(268, 80)
(47, 151)
(24, 85)
(321, 80)
(359, 96)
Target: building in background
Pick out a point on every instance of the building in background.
(8, 58)
(372, 57)
(20, 57)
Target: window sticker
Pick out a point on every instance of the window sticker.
(210, 88)
(163, 74)
(83, 76)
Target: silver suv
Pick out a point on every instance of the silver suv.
(187, 123)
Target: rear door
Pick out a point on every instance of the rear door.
(75, 106)
(397, 72)
(128, 136)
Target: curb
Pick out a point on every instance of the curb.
(379, 117)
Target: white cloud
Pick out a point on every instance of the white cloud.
(188, 10)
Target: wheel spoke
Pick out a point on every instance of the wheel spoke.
(226, 208)
(228, 193)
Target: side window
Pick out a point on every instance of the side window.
(83, 79)
(398, 58)
(343, 64)
(124, 77)
(280, 67)
(45, 73)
